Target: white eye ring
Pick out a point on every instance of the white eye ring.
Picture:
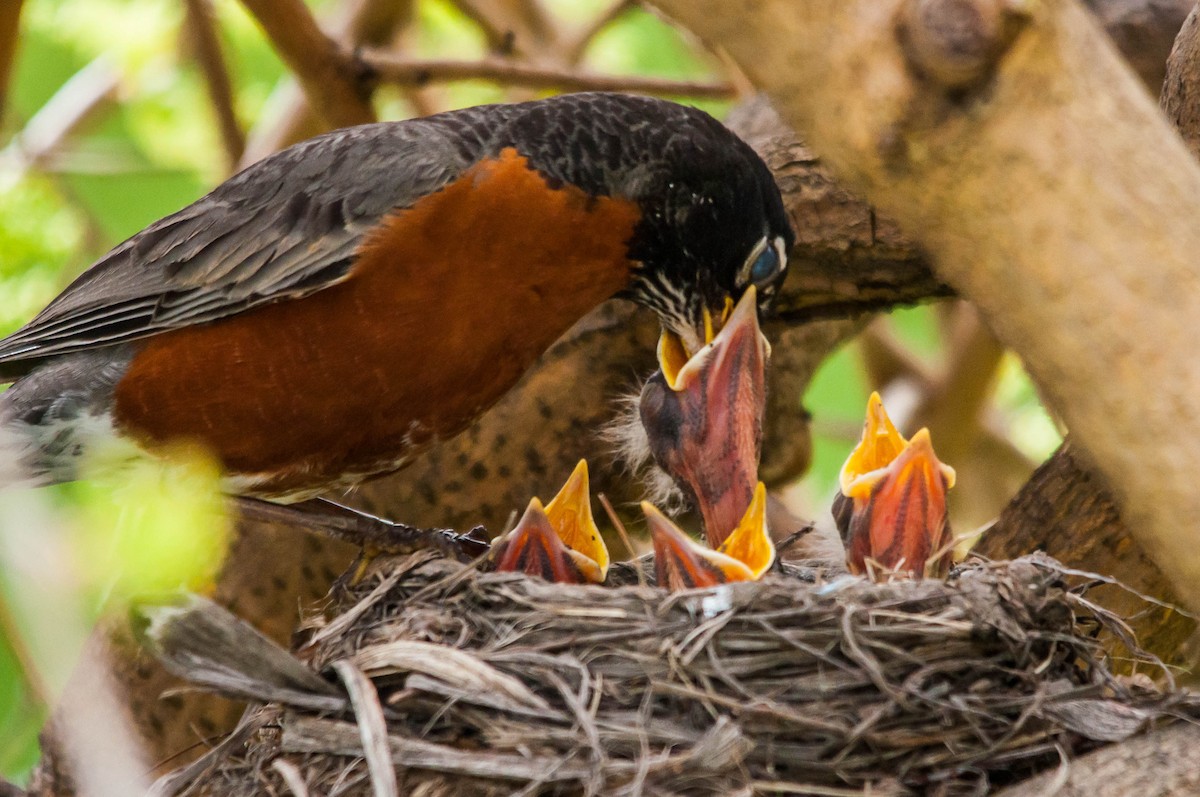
(743, 277)
(781, 250)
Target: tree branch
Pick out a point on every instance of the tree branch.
(1181, 89)
(202, 32)
(420, 72)
(574, 49)
(933, 121)
(292, 118)
(332, 81)
(1161, 763)
(10, 25)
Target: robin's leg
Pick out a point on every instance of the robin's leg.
(373, 534)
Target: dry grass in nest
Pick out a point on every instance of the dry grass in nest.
(497, 684)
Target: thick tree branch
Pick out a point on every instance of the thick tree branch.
(1035, 229)
(202, 31)
(1162, 763)
(1067, 510)
(1181, 90)
(332, 80)
(420, 72)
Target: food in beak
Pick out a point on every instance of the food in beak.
(682, 563)
(559, 542)
(891, 505)
(703, 416)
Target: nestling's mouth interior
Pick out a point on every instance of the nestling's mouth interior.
(750, 543)
(673, 352)
(881, 446)
(570, 513)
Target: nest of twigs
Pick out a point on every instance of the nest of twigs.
(497, 684)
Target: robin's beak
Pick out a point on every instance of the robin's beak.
(560, 542)
(703, 414)
(682, 563)
(891, 508)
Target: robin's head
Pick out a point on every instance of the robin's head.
(712, 223)
(713, 227)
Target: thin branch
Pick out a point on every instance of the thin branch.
(512, 26)
(76, 102)
(202, 31)
(331, 79)
(291, 118)
(10, 24)
(574, 49)
(419, 72)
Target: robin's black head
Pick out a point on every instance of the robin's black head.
(713, 223)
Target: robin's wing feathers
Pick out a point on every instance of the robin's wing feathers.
(284, 228)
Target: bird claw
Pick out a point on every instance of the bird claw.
(374, 535)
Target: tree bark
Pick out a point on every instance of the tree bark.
(333, 82)
(1067, 510)
(1181, 90)
(980, 137)
(1144, 31)
(1160, 764)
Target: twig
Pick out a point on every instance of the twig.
(202, 31)
(30, 673)
(291, 776)
(331, 80)
(515, 26)
(573, 51)
(75, 103)
(291, 118)
(419, 72)
(10, 24)
(624, 534)
(372, 728)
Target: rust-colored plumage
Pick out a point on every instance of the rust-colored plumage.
(304, 393)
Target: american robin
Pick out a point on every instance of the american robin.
(682, 563)
(322, 316)
(891, 503)
(559, 542)
(702, 419)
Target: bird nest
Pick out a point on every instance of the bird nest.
(430, 678)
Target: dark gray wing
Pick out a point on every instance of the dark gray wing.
(283, 228)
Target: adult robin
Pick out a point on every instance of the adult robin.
(321, 317)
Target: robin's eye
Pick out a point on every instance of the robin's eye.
(765, 266)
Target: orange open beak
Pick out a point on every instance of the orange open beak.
(891, 509)
(682, 563)
(703, 416)
(559, 542)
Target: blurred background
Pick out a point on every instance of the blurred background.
(119, 112)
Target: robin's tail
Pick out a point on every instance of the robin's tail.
(51, 417)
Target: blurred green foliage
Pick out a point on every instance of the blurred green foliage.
(156, 148)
